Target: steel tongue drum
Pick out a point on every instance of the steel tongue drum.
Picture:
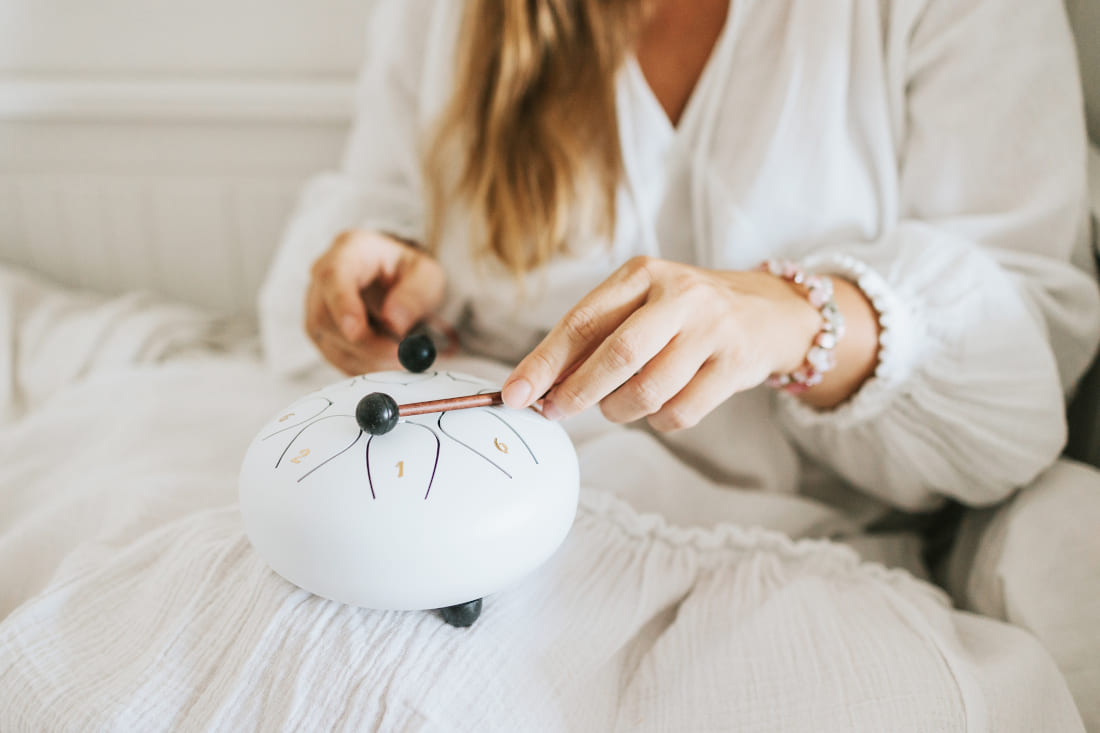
(434, 510)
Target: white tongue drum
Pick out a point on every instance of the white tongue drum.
(349, 497)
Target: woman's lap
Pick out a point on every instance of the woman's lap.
(633, 624)
(1035, 562)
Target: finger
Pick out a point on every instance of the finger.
(658, 381)
(317, 316)
(338, 355)
(374, 352)
(372, 296)
(578, 333)
(709, 388)
(371, 353)
(340, 276)
(377, 354)
(329, 342)
(319, 323)
(416, 293)
(621, 355)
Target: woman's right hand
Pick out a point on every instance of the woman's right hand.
(402, 285)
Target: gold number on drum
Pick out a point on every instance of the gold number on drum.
(301, 454)
(502, 447)
(400, 469)
(286, 417)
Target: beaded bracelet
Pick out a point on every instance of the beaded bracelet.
(821, 357)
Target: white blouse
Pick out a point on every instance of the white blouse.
(931, 150)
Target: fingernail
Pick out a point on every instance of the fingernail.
(550, 412)
(517, 393)
(350, 326)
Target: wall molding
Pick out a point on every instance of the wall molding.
(176, 99)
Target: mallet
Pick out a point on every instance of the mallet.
(378, 413)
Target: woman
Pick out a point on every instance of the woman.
(590, 189)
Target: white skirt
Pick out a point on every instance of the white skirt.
(164, 618)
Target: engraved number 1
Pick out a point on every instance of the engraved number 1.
(400, 469)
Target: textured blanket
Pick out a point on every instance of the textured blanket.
(130, 598)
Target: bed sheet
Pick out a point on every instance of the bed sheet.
(131, 599)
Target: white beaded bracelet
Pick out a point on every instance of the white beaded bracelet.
(821, 357)
(903, 344)
(876, 290)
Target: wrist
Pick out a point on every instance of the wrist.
(857, 353)
(814, 329)
(801, 324)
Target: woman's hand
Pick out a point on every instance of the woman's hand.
(670, 342)
(365, 293)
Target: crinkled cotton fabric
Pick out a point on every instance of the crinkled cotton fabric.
(632, 626)
(145, 607)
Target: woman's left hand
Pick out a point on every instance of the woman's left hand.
(668, 342)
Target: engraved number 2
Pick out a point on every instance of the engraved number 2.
(284, 418)
(301, 454)
(400, 469)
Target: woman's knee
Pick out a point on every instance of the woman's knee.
(1042, 543)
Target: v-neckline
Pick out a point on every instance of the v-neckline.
(677, 128)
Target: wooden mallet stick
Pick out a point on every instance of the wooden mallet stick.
(378, 413)
(490, 399)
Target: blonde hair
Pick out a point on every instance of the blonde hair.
(533, 123)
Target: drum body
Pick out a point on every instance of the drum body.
(444, 509)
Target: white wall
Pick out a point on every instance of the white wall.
(249, 38)
(156, 145)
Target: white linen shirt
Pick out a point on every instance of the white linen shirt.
(932, 150)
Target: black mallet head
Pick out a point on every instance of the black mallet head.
(416, 352)
(376, 413)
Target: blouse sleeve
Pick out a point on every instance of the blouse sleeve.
(985, 287)
(377, 186)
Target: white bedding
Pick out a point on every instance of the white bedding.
(131, 599)
(1094, 194)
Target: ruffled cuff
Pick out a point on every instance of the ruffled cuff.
(901, 337)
